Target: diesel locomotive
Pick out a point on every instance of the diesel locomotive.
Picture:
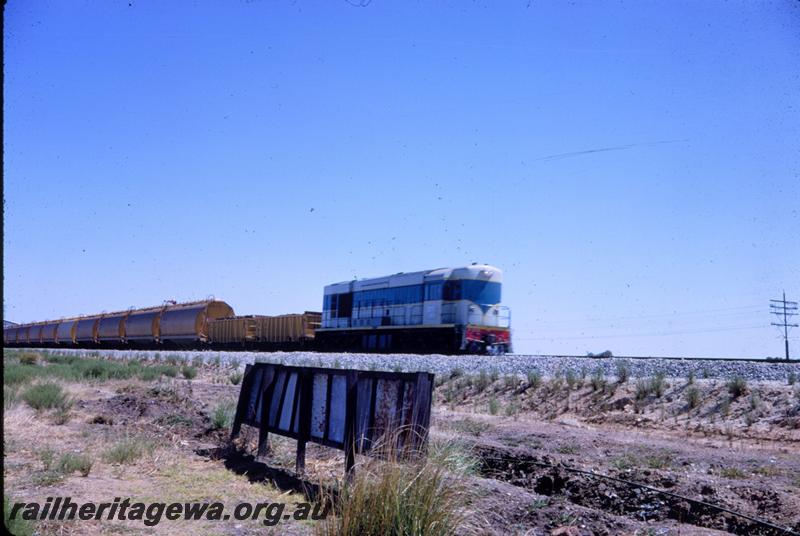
(447, 310)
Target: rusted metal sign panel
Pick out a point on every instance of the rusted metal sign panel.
(345, 409)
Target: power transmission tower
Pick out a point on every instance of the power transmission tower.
(785, 309)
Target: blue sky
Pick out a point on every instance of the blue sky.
(633, 167)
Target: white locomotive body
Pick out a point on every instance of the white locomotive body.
(447, 309)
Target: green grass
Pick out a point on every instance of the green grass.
(654, 385)
(71, 463)
(567, 448)
(16, 374)
(223, 413)
(10, 396)
(175, 419)
(29, 358)
(493, 406)
(168, 370)
(398, 498)
(78, 369)
(454, 455)
(732, 472)
(623, 372)
(628, 460)
(658, 384)
(571, 378)
(512, 409)
(768, 471)
(692, 396)
(46, 396)
(54, 469)
(467, 426)
(189, 373)
(128, 450)
(598, 380)
(235, 378)
(16, 526)
(62, 414)
(481, 381)
(737, 386)
(534, 378)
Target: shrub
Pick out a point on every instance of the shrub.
(755, 401)
(46, 456)
(792, 378)
(481, 381)
(725, 407)
(494, 406)
(657, 384)
(235, 378)
(534, 379)
(494, 375)
(598, 380)
(692, 397)
(70, 463)
(167, 370)
(643, 389)
(510, 381)
(570, 378)
(512, 408)
(61, 415)
(129, 450)
(737, 386)
(28, 358)
(189, 373)
(732, 472)
(623, 372)
(235, 363)
(149, 374)
(46, 396)
(222, 415)
(690, 378)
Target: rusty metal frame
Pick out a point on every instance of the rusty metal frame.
(265, 393)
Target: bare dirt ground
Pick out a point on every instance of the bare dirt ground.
(741, 452)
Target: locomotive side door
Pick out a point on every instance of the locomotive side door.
(432, 308)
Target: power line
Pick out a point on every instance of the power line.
(753, 308)
(785, 309)
(654, 334)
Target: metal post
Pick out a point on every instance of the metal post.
(267, 387)
(305, 384)
(241, 407)
(350, 425)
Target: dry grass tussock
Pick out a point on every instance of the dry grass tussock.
(404, 494)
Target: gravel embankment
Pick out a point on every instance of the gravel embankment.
(471, 364)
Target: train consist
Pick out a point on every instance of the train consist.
(447, 310)
(205, 324)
